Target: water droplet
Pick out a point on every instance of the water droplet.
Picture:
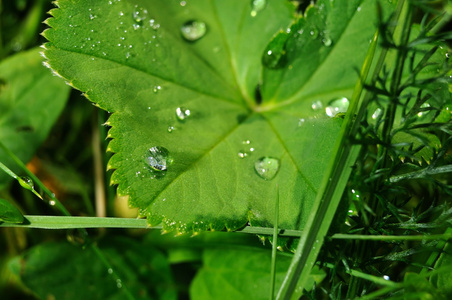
(377, 113)
(183, 3)
(156, 89)
(246, 142)
(386, 277)
(358, 9)
(52, 202)
(182, 113)
(193, 30)
(327, 41)
(274, 56)
(110, 271)
(139, 14)
(316, 105)
(92, 16)
(421, 113)
(170, 129)
(337, 106)
(314, 32)
(267, 167)
(242, 154)
(154, 25)
(257, 6)
(301, 122)
(26, 182)
(158, 158)
(118, 283)
(280, 248)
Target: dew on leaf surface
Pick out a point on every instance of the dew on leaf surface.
(158, 158)
(193, 30)
(257, 6)
(170, 129)
(314, 32)
(242, 154)
(267, 167)
(316, 105)
(139, 14)
(182, 113)
(156, 89)
(274, 58)
(327, 41)
(337, 106)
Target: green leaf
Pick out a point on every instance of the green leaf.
(31, 100)
(193, 143)
(65, 271)
(9, 213)
(241, 274)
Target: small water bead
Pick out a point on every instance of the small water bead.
(386, 277)
(327, 41)
(246, 142)
(421, 113)
(170, 129)
(337, 106)
(118, 283)
(377, 113)
(139, 14)
(242, 154)
(182, 113)
(301, 122)
(193, 30)
(154, 25)
(257, 6)
(183, 3)
(156, 89)
(314, 32)
(317, 105)
(158, 158)
(267, 167)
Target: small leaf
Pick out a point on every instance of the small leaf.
(31, 99)
(65, 271)
(241, 274)
(9, 213)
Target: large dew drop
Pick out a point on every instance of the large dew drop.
(26, 182)
(267, 167)
(158, 158)
(193, 30)
(337, 106)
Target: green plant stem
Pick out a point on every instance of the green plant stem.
(99, 167)
(274, 246)
(354, 285)
(328, 196)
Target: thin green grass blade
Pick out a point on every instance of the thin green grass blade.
(329, 195)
